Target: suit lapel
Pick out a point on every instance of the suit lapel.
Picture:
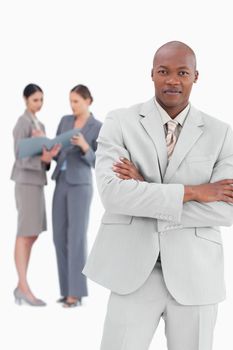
(69, 125)
(152, 123)
(190, 133)
(88, 125)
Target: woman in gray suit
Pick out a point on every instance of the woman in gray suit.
(29, 175)
(72, 196)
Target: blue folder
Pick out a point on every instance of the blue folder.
(33, 146)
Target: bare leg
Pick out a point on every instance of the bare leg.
(72, 299)
(23, 246)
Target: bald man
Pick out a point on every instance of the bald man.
(164, 173)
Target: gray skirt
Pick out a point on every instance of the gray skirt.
(30, 204)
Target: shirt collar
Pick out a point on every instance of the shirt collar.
(180, 118)
(33, 119)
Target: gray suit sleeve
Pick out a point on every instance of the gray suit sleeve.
(89, 157)
(196, 214)
(23, 130)
(58, 133)
(131, 197)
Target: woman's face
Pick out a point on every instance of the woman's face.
(79, 105)
(34, 102)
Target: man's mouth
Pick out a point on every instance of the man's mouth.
(172, 92)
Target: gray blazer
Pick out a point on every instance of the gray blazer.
(28, 170)
(143, 217)
(78, 164)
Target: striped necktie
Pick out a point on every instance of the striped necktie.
(171, 137)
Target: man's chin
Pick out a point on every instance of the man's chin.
(171, 103)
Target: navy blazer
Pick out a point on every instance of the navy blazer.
(79, 165)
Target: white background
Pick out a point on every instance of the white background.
(109, 46)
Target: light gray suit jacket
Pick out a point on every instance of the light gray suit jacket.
(28, 170)
(140, 217)
(78, 164)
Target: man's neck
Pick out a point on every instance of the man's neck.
(174, 110)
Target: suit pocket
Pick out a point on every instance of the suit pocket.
(209, 233)
(109, 218)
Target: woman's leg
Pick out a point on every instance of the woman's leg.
(60, 224)
(23, 246)
(79, 200)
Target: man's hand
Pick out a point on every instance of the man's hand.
(47, 156)
(126, 170)
(211, 192)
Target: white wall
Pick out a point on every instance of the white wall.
(109, 46)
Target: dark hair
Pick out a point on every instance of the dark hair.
(30, 89)
(83, 91)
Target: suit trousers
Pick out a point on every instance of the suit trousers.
(132, 319)
(71, 204)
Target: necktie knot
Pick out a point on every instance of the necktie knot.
(171, 125)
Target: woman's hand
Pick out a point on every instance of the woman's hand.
(47, 156)
(37, 133)
(55, 150)
(79, 140)
(126, 170)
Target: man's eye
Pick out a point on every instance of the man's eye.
(183, 73)
(162, 71)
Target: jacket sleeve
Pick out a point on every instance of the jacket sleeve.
(23, 130)
(131, 197)
(59, 130)
(89, 157)
(196, 214)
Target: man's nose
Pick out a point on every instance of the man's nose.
(172, 79)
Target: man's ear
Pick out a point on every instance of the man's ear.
(196, 76)
(151, 73)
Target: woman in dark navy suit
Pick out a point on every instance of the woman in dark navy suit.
(72, 196)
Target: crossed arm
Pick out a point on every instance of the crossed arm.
(190, 206)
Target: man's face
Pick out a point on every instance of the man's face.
(173, 75)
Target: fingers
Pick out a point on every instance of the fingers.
(122, 165)
(228, 187)
(123, 177)
(228, 193)
(56, 147)
(225, 182)
(44, 150)
(121, 171)
(126, 168)
(227, 199)
(125, 164)
(126, 161)
(75, 140)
